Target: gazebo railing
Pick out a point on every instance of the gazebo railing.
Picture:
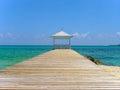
(61, 46)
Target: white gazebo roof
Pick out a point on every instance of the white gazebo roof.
(62, 35)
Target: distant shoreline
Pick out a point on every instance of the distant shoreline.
(115, 45)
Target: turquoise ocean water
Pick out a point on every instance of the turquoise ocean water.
(10, 55)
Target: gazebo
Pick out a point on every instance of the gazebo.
(62, 36)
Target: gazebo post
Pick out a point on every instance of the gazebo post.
(54, 42)
(69, 43)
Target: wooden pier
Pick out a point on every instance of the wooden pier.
(60, 69)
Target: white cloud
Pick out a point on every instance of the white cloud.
(1, 35)
(9, 35)
(6, 35)
(76, 34)
(118, 33)
(82, 35)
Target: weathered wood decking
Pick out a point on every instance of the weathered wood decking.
(57, 69)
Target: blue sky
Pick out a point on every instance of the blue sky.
(32, 22)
